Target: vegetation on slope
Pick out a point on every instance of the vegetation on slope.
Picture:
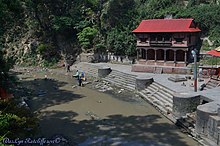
(35, 32)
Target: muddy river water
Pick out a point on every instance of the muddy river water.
(85, 116)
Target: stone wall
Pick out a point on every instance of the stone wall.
(142, 82)
(165, 69)
(104, 71)
(91, 57)
(184, 103)
(207, 120)
(114, 58)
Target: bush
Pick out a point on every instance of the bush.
(16, 121)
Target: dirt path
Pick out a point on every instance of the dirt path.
(88, 117)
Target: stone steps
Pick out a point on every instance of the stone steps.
(117, 78)
(162, 94)
(89, 69)
(167, 91)
(158, 105)
(212, 84)
(121, 79)
(122, 74)
(122, 85)
(159, 96)
(166, 101)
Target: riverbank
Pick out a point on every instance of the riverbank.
(86, 116)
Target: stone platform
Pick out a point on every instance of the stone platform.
(160, 69)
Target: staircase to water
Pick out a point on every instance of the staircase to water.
(160, 96)
(157, 94)
(121, 79)
(91, 70)
(212, 83)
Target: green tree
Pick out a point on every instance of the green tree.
(86, 37)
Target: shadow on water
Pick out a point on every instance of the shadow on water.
(46, 92)
(116, 129)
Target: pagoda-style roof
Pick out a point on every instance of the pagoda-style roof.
(166, 25)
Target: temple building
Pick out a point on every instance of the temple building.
(165, 43)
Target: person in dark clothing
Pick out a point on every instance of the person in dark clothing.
(68, 68)
(80, 81)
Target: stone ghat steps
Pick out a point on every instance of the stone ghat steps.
(212, 84)
(157, 100)
(166, 90)
(157, 104)
(121, 79)
(92, 70)
(159, 96)
(121, 84)
(121, 75)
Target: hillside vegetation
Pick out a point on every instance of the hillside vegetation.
(41, 32)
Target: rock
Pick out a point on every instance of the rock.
(109, 88)
(74, 86)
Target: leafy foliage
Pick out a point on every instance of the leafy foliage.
(16, 121)
(101, 25)
(86, 37)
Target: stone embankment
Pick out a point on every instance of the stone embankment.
(156, 94)
(170, 103)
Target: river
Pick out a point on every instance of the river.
(85, 116)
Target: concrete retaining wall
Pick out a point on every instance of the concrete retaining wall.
(91, 57)
(142, 82)
(165, 69)
(213, 128)
(114, 58)
(104, 71)
(184, 103)
(203, 114)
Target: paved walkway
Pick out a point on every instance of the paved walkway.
(212, 94)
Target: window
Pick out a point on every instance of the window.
(142, 37)
(143, 53)
(179, 40)
(153, 38)
(167, 38)
(159, 38)
(189, 39)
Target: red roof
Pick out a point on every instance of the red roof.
(167, 25)
(214, 53)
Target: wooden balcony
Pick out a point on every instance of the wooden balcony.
(143, 44)
(161, 43)
(179, 44)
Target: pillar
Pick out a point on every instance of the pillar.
(165, 55)
(174, 56)
(146, 54)
(185, 57)
(155, 55)
(137, 54)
